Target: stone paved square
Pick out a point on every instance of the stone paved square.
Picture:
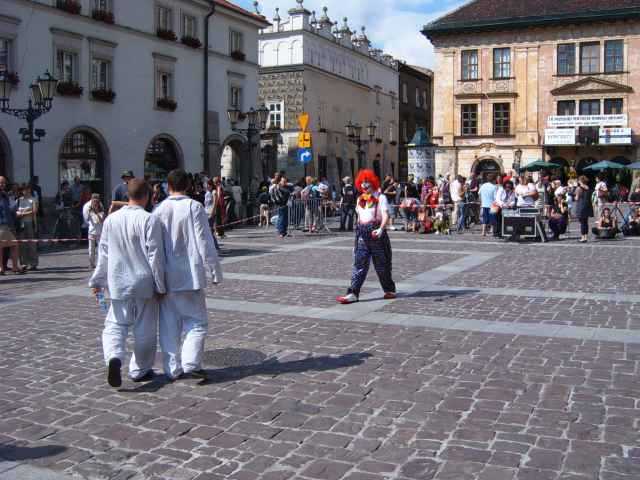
(469, 374)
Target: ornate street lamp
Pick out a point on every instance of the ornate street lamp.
(517, 155)
(256, 122)
(354, 135)
(39, 104)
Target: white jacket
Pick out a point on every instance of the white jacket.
(131, 259)
(93, 221)
(188, 245)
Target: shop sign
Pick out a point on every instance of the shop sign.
(560, 136)
(587, 120)
(615, 136)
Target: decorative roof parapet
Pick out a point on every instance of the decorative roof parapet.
(299, 9)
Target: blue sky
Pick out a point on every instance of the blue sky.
(393, 25)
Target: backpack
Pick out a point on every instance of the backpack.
(349, 195)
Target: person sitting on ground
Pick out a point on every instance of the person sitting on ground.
(632, 228)
(607, 226)
(558, 216)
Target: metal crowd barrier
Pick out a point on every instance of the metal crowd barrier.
(310, 214)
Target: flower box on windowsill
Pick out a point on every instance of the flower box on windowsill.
(167, 104)
(192, 42)
(12, 77)
(103, 16)
(69, 6)
(378, 140)
(166, 35)
(393, 143)
(238, 55)
(69, 89)
(323, 130)
(102, 95)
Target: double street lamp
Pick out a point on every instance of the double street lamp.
(354, 135)
(40, 103)
(256, 122)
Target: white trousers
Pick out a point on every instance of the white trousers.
(142, 315)
(93, 250)
(183, 320)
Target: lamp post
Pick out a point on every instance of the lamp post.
(256, 122)
(517, 155)
(40, 103)
(354, 136)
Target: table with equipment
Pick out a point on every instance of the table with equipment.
(523, 223)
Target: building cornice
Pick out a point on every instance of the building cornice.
(292, 33)
(436, 29)
(101, 41)
(9, 19)
(163, 57)
(66, 33)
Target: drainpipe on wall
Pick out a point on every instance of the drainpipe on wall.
(205, 79)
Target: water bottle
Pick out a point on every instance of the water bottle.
(102, 303)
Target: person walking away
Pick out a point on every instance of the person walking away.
(131, 265)
(190, 255)
(27, 219)
(219, 207)
(602, 194)
(120, 194)
(8, 210)
(487, 193)
(347, 205)
(584, 207)
(372, 241)
(280, 198)
(94, 215)
(455, 192)
(263, 201)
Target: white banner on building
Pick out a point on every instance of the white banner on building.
(560, 136)
(615, 136)
(587, 120)
(422, 163)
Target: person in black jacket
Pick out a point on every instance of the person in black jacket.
(584, 207)
(280, 197)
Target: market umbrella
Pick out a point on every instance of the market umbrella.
(605, 165)
(634, 166)
(539, 165)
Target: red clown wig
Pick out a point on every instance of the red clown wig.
(367, 176)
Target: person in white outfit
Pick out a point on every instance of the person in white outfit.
(93, 214)
(191, 254)
(131, 265)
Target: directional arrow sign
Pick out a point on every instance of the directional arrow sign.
(303, 121)
(305, 155)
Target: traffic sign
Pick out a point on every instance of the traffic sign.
(303, 121)
(305, 155)
(304, 140)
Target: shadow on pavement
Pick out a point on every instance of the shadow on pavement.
(16, 453)
(227, 252)
(274, 367)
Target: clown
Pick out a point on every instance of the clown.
(372, 241)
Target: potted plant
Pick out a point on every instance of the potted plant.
(192, 42)
(103, 95)
(378, 140)
(167, 104)
(166, 34)
(103, 16)
(69, 89)
(69, 6)
(393, 143)
(323, 130)
(238, 55)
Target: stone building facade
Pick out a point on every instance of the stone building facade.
(315, 66)
(136, 51)
(514, 86)
(416, 101)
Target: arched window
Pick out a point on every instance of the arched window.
(160, 159)
(486, 167)
(82, 157)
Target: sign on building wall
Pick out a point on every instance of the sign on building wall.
(422, 162)
(587, 120)
(560, 136)
(615, 136)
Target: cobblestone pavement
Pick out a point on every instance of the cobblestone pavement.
(300, 388)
